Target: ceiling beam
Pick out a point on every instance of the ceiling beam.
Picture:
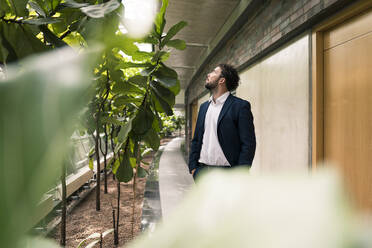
(190, 44)
(183, 67)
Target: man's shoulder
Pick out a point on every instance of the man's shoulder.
(204, 103)
(239, 101)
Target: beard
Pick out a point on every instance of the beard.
(211, 85)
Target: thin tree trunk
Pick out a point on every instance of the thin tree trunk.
(64, 207)
(113, 221)
(99, 106)
(105, 159)
(113, 147)
(134, 186)
(105, 174)
(116, 228)
(104, 153)
(116, 233)
(100, 240)
(98, 174)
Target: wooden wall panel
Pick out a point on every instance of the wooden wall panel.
(348, 105)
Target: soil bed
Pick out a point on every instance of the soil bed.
(85, 220)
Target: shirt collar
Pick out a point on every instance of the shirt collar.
(221, 99)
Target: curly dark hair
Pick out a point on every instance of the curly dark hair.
(231, 75)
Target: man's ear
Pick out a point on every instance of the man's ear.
(222, 80)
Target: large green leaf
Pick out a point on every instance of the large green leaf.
(166, 76)
(123, 87)
(150, 39)
(115, 75)
(160, 55)
(165, 106)
(125, 44)
(4, 8)
(53, 4)
(91, 165)
(78, 24)
(176, 43)
(42, 4)
(111, 120)
(173, 31)
(292, 209)
(125, 65)
(138, 80)
(19, 7)
(8, 54)
(141, 172)
(100, 10)
(19, 41)
(148, 71)
(124, 131)
(127, 101)
(176, 88)
(143, 121)
(42, 21)
(142, 56)
(125, 171)
(103, 30)
(152, 139)
(161, 105)
(73, 4)
(39, 105)
(115, 166)
(157, 125)
(51, 37)
(160, 20)
(163, 92)
(37, 8)
(3, 52)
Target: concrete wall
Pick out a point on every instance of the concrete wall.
(278, 89)
(180, 98)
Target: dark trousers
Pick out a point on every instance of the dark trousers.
(204, 168)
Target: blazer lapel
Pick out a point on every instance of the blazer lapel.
(203, 113)
(225, 107)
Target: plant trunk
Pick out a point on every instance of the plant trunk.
(116, 232)
(64, 207)
(105, 174)
(134, 186)
(105, 159)
(113, 221)
(98, 174)
(100, 241)
(113, 148)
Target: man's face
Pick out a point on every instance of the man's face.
(212, 79)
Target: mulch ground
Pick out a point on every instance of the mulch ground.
(84, 220)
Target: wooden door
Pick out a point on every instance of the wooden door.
(348, 105)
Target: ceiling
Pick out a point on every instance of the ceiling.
(205, 18)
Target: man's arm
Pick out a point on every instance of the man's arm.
(194, 154)
(195, 146)
(247, 135)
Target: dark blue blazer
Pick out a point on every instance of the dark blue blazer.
(235, 131)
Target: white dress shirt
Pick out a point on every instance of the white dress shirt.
(211, 152)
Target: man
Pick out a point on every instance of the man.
(224, 135)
